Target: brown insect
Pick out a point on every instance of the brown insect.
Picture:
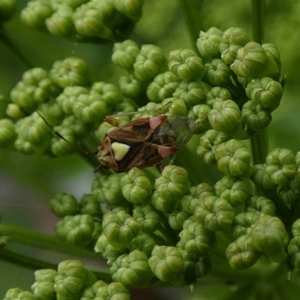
(143, 142)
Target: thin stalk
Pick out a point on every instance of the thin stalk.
(191, 15)
(32, 238)
(7, 41)
(259, 142)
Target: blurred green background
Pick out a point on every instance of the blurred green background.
(28, 182)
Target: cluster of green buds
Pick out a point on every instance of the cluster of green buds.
(164, 227)
(83, 20)
(71, 280)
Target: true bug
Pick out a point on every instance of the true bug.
(143, 142)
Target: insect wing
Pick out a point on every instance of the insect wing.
(137, 131)
(143, 155)
(176, 131)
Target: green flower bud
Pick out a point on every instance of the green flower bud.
(76, 229)
(102, 290)
(296, 228)
(34, 89)
(186, 64)
(261, 205)
(149, 62)
(167, 264)
(241, 253)
(148, 217)
(107, 189)
(120, 228)
(36, 12)
(235, 190)
(18, 294)
(232, 40)
(136, 186)
(262, 178)
(106, 250)
(199, 113)
(207, 144)
(217, 72)
(98, 288)
(189, 203)
(131, 9)
(176, 107)
(14, 111)
(287, 195)
(43, 287)
(71, 71)
(225, 116)
(208, 43)
(89, 19)
(61, 21)
(69, 96)
(63, 204)
(32, 135)
(109, 93)
(250, 61)
(214, 213)
(281, 166)
(7, 9)
(163, 86)
(124, 54)
(72, 279)
(216, 94)
(195, 238)
(176, 219)
(242, 223)
(130, 86)
(145, 243)
(170, 186)
(59, 146)
(233, 158)
(52, 113)
(255, 117)
(90, 108)
(273, 53)
(132, 269)
(294, 252)
(7, 133)
(265, 91)
(192, 92)
(270, 237)
(89, 205)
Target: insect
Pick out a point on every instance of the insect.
(143, 142)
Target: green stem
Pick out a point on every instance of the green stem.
(24, 261)
(259, 147)
(257, 23)
(6, 40)
(259, 142)
(28, 237)
(191, 15)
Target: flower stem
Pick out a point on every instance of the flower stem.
(259, 142)
(28, 237)
(7, 41)
(191, 13)
(258, 14)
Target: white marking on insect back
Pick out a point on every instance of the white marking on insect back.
(119, 150)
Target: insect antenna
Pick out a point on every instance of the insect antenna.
(85, 155)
